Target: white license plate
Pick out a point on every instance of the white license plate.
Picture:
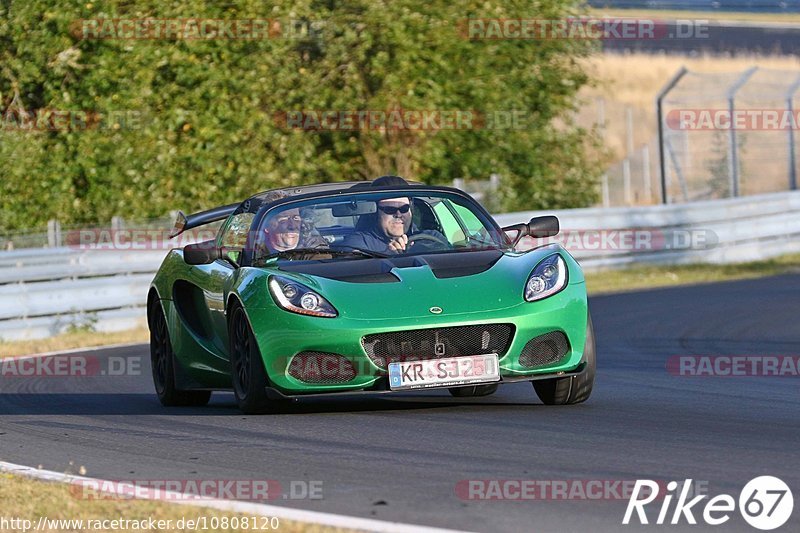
(449, 372)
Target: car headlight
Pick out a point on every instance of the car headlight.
(547, 278)
(298, 298)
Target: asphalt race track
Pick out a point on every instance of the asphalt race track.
(698, 36)
(400, 458)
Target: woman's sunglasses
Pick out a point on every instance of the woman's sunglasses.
(391, 210)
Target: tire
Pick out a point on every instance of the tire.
(248, 376)
(573, 389)
(473, 391)
(162, 362)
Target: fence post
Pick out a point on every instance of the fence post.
(53, 233)
(601, 117)
(676, 165)
(606, 193)
(648, 188)
(626, 181)
(659, 112)
(792, 155)
(628, 131)
(733, 151)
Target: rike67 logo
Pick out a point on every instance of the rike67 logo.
(765, 503)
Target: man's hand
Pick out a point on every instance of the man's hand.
(398, 244)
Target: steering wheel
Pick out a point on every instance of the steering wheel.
(430, 240)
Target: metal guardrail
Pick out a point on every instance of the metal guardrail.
(47, 291)
(726, 231)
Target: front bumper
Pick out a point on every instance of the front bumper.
(381, 386)
(282, 335)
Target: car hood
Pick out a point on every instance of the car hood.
(409, 287)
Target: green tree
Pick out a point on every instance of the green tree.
(192, 123)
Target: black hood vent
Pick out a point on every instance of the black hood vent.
(443, 266)
(456, 265)
(351, 271)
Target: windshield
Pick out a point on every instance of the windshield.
(385, 224)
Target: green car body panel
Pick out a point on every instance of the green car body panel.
(345, 288)
(198, 329)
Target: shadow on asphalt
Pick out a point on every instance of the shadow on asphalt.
(223, 404)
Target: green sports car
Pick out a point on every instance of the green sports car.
(366, 287)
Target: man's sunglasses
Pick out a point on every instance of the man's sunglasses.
(391, 210)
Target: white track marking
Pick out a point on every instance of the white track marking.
(258, 509)
(75, 350)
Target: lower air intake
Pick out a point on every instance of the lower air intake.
(544, 350)
(437, 343)
(321, 368)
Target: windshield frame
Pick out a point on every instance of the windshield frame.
(249, 255)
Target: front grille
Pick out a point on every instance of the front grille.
(544, 350)
(436, 343)
(321, 368)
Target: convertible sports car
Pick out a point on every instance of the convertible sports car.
(282, 304)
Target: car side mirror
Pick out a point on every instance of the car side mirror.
(201, 253)
(515, 233)
(541, 227)
(537, 227)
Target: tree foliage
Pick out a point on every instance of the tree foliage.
(191, 124)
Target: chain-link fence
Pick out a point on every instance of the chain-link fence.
(727, 135)
(634, 180)
(628, 133)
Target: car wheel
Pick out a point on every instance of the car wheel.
(162, 361)
(248, 375)
(473, 391)
(573, 389)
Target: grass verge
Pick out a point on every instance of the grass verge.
(665, 276)
(76, 339)
(30, 499)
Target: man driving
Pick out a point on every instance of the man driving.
(388, 234)
(389, 229)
